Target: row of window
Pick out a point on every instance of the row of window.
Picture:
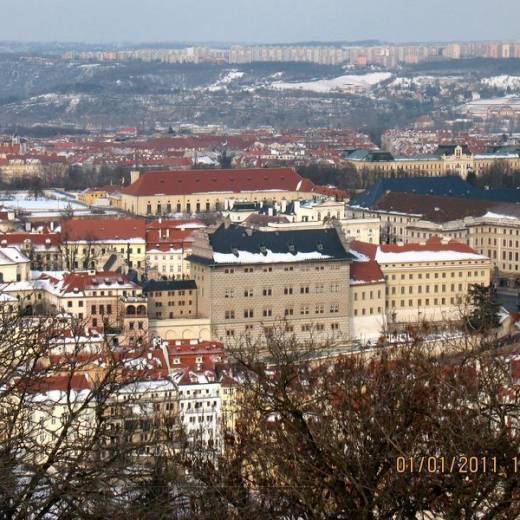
(427, 302)
(419, 289)
(287, 290)
(268, 269)
(267, 312)
(307, 327)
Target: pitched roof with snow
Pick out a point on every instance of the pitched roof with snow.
(215, 181)
(238, 245)
(11, 255)
(433, 250)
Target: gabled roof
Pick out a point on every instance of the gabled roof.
(214, 181)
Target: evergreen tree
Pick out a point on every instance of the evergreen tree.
(485, 309)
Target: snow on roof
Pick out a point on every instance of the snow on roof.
(425, 256)
(491, 214)
(245, 257)
(433, 250)
(11, 255)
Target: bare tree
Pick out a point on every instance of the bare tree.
(397, 432)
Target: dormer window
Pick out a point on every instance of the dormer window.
(263, 250)
(292, 249)
(235, 251)
(319, 246)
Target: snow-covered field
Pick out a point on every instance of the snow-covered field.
(503, 82)
(342, 83)
(421, 81)
(225, 80)
(25, 201)
(481, 106)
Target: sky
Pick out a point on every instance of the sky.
(258, 21)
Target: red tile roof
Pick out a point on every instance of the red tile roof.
(434, 244)
(366, 272)
(40, 239)
(81, 281)
(188, 351)
(62, 383)
(209, 181)
(103, 229)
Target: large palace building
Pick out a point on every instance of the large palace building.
(448, 160)
(200, 191)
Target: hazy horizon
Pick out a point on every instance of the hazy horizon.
(266, 22)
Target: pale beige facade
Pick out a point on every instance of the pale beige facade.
(201, 202)
(368, 318)
(365, 230)
(310, 299)
(431, 290)
(182, 328)
(497, 237)
(457, 164)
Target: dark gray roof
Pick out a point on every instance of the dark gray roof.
(368, 155)
(449, 186)
(168, 285)
(280, 241)
(238, 238)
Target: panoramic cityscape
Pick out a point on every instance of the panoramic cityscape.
(256, 262)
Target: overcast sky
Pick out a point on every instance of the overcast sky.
(258, 20)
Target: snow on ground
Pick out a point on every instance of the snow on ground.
(421, 81)
(24, 200)
(503, 82)
(342, 83)
(225, 80)
(481, 106)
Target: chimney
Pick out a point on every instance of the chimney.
(134, 176)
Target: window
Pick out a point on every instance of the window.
(248, 293)
(304, 289)
(229, 315)
(230, 333)
(319, 308)
(289, 311)
(229, 293)
(267, 291)
(334, 307)
(248, 313)
(288, 290)
(268, 312)
(304, 309)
